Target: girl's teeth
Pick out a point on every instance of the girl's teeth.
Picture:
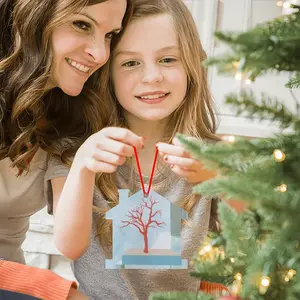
(153, 96)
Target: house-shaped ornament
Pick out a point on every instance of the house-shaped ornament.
(146, 232)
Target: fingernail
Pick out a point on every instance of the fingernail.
(171, 166)
(166, 158)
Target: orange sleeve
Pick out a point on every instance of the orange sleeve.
(39, 283)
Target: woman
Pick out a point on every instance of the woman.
(50, 53)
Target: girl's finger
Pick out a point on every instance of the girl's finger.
(172, 150)
(123, 135)
(108, 157)
(115, 147)
(181, 172)
(183, 162)
(99, 166)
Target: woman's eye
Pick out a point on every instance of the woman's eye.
(168, 60)
(82, 25)
(111, 35)
(130, 64)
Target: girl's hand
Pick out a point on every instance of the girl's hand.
(183, 164)
(107, 149)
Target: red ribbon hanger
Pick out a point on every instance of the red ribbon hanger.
(146, 194)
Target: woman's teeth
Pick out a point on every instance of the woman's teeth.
(153, 96)
(78, 66)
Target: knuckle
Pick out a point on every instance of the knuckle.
(111, 169)
(122, 149)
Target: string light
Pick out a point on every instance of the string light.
(236, 64)
(278, 155)
(286, 5)
(290, 274)
(248, 81)
(229, 138)
(232, 260)
(238, 76)
(205, 250)
(237, 284)
(279, 3)
(282, 188)
(265, 282)
(238, 276)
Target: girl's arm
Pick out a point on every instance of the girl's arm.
(102, 152)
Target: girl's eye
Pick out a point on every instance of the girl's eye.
(130, 64)
(82, 25)
(168, 60)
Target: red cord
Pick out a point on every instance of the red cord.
(140, 172)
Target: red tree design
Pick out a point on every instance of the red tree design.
(136, 219)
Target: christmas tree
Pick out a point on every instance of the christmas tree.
(257, 253)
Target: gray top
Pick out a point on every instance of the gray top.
(20, 197)
(137, 284)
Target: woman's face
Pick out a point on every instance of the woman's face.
(81, 45)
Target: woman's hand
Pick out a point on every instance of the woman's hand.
(107, 149)
(183, 164)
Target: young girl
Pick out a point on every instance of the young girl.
(157, 87)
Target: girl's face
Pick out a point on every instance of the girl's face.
(81, 45)
(149, 78)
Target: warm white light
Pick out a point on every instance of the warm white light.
(282, 188)
(286, 5)
(265, 281)
(238, 76)
(248, 81)
(205, 250)
(232, 260)
(291, 273)
(238, 276)
(278, 155)
(229, 138)
(279, 3)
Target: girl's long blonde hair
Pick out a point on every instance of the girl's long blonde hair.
(30, 116)
(195, 116)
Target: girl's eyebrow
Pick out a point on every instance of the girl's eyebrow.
(129, 52)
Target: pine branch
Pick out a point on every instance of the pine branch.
(294, 82)
(269, 108)
(272, 46)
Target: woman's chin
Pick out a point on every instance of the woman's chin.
(72, 91)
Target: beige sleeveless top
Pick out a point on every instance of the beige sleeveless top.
(20, 197)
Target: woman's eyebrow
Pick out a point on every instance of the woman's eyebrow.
(95, 21)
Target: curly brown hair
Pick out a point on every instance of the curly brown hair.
(31, 116)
